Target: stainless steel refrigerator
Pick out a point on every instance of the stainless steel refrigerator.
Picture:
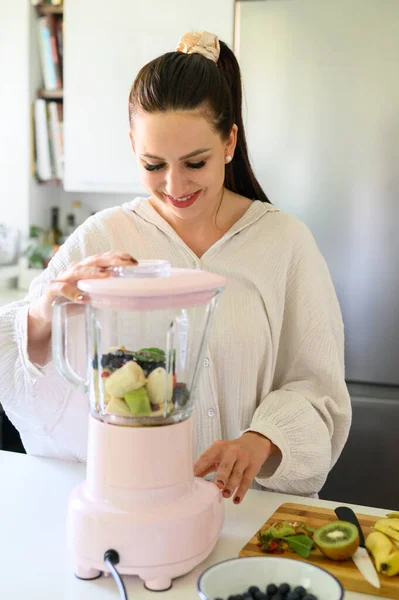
(321, 89)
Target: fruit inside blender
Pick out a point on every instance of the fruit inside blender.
(137, 384)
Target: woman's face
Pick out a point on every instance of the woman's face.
(181, 160)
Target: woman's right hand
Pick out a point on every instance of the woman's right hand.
(65, 286)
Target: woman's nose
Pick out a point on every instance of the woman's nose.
(176, 185)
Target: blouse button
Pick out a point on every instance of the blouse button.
(206, 362)
(211, 412)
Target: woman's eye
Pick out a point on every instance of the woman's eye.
(149, 167)
(197, 165)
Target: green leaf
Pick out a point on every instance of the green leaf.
(301, 544)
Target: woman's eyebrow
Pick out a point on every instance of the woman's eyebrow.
(190, 155)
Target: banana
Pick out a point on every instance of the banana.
(390, 566)
(127, 378)
(117, 406)
(394, 515)
(156, 383)
(380, 546)
(388, 526)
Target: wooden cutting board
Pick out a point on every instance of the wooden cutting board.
(346, 572)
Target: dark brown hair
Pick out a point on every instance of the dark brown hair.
(179, 81)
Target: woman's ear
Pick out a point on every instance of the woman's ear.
(232, 141)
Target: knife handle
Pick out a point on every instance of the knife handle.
(344, 513)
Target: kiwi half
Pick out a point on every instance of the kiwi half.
(338, 540)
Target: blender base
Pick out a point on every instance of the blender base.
(87, 574)
(142, 500)
(190, 528)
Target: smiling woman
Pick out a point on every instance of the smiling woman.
(272, 402)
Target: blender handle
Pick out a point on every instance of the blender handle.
(59, 346)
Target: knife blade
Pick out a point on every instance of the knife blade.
(361, 558)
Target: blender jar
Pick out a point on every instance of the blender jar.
(146, 329)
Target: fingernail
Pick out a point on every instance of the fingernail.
(219, 482)
(226, 493)
(81, 298)
(236, 500)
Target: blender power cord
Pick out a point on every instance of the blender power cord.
(111, 558)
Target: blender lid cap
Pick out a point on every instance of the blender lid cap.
(152, 278)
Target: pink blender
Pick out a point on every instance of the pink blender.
(146, 329)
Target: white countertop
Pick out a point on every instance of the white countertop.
(34, 563)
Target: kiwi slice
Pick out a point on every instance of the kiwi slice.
(338, 540)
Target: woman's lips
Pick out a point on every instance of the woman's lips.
(185, 201)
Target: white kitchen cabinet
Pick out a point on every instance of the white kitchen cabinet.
(105, 46)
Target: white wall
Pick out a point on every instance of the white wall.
(22, 200)
(14, 113)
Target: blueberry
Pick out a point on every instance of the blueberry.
(309, 597)
(277, 596)
(253, 589)
(181, 395)
(284, 588)
(247, 596)
(119, 353)
(259, 596)
(271, 589)
(293, 596)
(104, 360)
(300, 591)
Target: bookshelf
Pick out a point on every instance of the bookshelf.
(51, 94)
(49, 9)
(48, 143)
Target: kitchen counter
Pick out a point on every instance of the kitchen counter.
(33, 556)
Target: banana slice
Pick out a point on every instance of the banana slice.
(117, 406)
(156, 384)
(127, 378)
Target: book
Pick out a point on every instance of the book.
(56, 138)
(49, 54)
(44, 169)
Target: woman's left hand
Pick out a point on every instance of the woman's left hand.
(236, 462)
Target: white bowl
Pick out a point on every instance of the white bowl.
(235, 576)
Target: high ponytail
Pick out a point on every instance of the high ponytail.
(180, 81)
(239, 177)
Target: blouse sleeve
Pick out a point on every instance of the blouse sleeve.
(36, 397)
(307, 414)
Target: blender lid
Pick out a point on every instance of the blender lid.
(153, 278)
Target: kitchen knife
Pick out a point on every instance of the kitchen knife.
(361, 558)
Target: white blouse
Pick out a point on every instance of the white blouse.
(275, 357)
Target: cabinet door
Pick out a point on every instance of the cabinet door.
(105, 46)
